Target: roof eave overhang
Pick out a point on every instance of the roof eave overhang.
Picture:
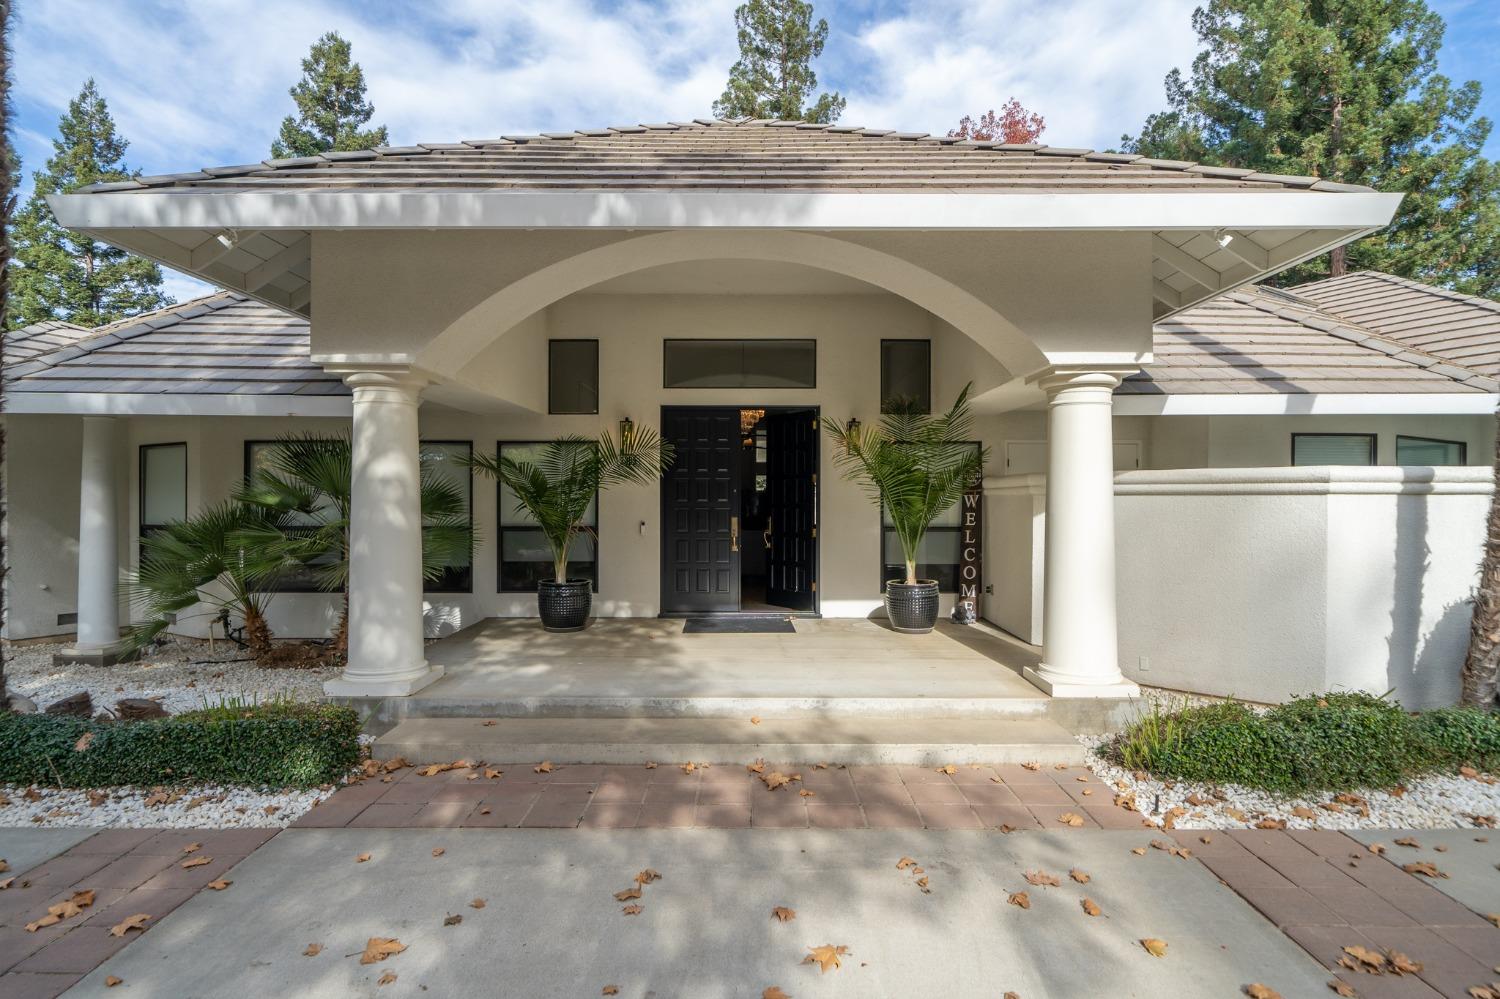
(174, 404)
(1310, 404)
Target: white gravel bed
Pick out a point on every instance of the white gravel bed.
(172, 674)
(1440, 801)
(208, 806)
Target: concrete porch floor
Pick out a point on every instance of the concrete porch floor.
(647, 666)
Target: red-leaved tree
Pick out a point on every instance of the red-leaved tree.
(1012, 123)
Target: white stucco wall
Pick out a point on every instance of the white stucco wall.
(1261, 441)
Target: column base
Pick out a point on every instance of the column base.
(94, 655)
(398, 686)
(1063, 687)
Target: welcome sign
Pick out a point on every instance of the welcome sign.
(971, 551)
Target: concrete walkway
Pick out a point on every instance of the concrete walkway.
(551, 926)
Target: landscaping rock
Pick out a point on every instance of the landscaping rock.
(139, 709)
(21, 705)
(79, 704)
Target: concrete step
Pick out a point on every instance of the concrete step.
(914, 741)
(738, 707)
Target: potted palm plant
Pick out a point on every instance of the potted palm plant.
(915, 465)
(555, 489)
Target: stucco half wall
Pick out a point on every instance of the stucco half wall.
(1266, 583)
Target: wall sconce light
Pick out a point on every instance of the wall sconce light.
(853, 424)
(627, 431)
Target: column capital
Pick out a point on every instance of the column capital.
(1060, 377)
(396, 383)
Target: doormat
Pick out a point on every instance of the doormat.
(737, 625)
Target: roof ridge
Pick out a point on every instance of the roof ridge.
(704, 125)
(1346, 329)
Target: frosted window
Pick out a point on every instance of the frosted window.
(163, 484)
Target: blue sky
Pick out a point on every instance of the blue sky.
(203, 82)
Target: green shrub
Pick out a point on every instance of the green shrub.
(1332, 742)
(1461, 736)
(273, 745)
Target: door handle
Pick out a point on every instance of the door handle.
(734, 534)
(766, 534)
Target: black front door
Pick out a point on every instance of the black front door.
(700, 501)
(791, 487)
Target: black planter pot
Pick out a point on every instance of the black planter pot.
(912, 607)
(564, 606)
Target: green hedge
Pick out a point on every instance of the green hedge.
(1333, 742)
(275, 745)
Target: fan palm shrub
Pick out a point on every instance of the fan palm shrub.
(305, 485)
(556, 486)
(211, 562)
(915, 465)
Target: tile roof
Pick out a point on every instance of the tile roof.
(39, 338)
(220, 344)
(1254, 341)
(1462, 328)
(1262, 340)
(715, 154)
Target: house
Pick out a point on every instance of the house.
(733, 283)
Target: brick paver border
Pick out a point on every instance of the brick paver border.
(728, 797)
(1328, 891)
(130, 871)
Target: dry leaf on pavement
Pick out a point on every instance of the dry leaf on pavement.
(1409, 841)
(1401, 964)
(220, 884)
(192, 848)
(1020, 899)
(544, 767)
(647, 876)
(1342, 988)
(1362, 959)
(313, 950)
(610, 990)
(438, 851)
(196, 862)
(783, 914)
(380, 948)
(632, 910)
(361, 858)
(66, 909)
(627, 894)
(478, 903)
(1042, 878)
(452, 920)
(826, 956)
(386, 979)
(1091, 907)
(1423, 868)
(754, 720)
(135, 922)
(1071, 819)
(1258, 991)
(904, 863)
(110, 981)
(772, 992)
(948, 769)
(1079, 876)
(688, 768)
(1154, 947)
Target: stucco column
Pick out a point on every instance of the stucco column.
(98, 544)
(1080, 657)
(385, 538)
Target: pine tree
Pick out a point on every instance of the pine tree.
(1345, 90)
(58, 274)
(331, 105)
(773, 77)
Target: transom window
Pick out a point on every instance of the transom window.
(740, 363)
(1333, 449)
(1430, 451)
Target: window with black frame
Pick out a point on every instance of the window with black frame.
(163, 487)
(448, 461)
(906, 375)
(296, 579)
(939, 555)
(525, 556)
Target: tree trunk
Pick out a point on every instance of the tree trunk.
(257, 633)
(911, 572)
(1481, 671)
(340, 644)
(1338, 261)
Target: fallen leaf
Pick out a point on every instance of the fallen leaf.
(904, 863)
(775, 779)
(271, 809)
(754, 720)
(313, 950)
(110, 981)
(66, 909)
(650, 766)
(192, 848)
(1303, 812)
(220, 884)
(921, 882)
(807, 794)
(1154, 947)
(1423, 868)
(489, 723)
(783, 914)
(948, 769)
(632, 910)
(7, 882)
(1342, 988)
(1493, 917)
(1259, 991)
(195, 862)
(774, 993)
(1042, 878)
(1020, 898)
(1376, 848)
(1270, 823)
(826, 956)
(647, 876)
(1409, 841)
(1071, 819)
(478, 903)
(135, 922)
(544, 767)
(362, 858)
(1364, 959)
(438, 851)
(386, 979)
(452, 920)
(610, 990)
(380, 948)
(1139, 851)
(758, 767)
(1091, 907)
(490, 773)
(627, 894)
(1079, 876)
(1033, 766)
(688, 768)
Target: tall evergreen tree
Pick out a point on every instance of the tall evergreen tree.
(331, 105)
(1346, 90)
(58, 274)
(774, 77)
